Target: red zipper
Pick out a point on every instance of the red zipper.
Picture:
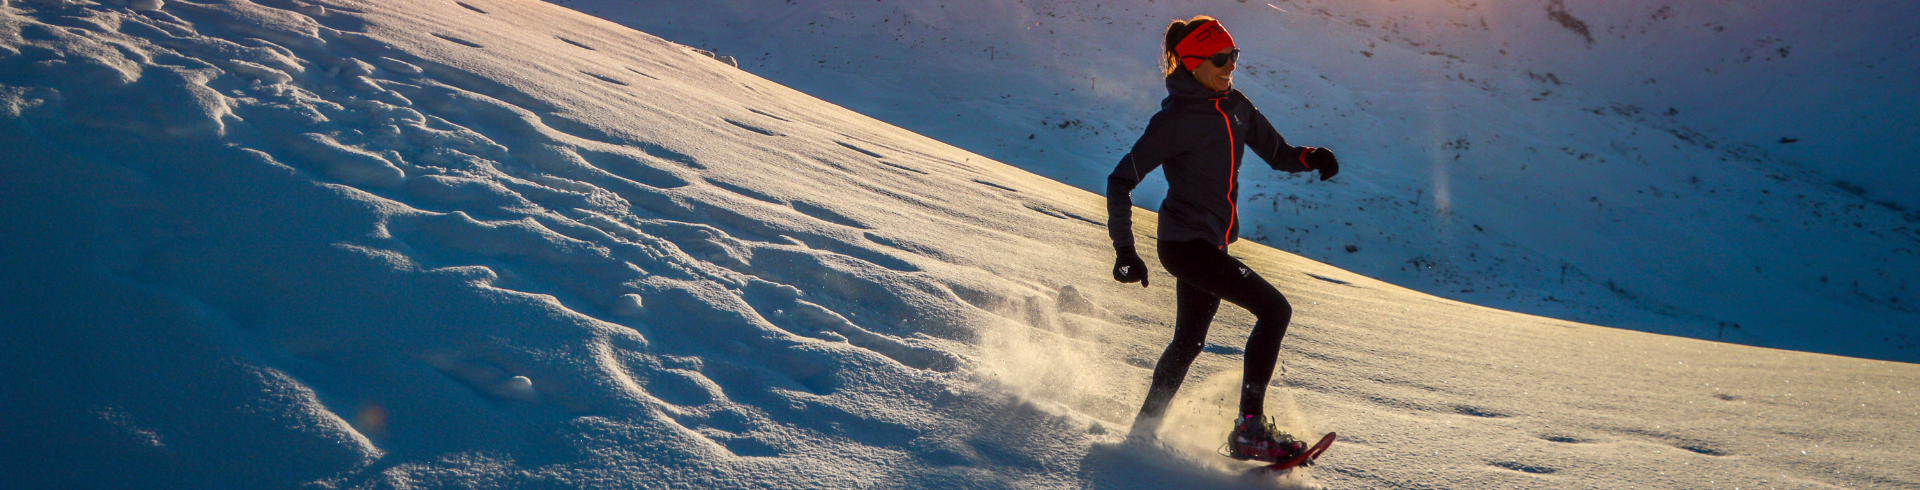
(1233, 169)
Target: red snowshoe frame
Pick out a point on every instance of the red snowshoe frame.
(1305, 458)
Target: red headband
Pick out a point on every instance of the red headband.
(1201, 43)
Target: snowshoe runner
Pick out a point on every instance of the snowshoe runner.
(1203, 129)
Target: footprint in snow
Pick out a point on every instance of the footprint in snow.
(577, 43)
(765, 113)
(642, 73)
(605, 78)
(1524, 467)
(456, 40)
(865, 151)
(754, 128)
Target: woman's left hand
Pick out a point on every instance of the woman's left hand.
(1322, 159)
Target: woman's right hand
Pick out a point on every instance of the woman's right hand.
(1128, 267)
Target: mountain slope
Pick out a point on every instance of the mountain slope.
(1728, 170)
(502, 244)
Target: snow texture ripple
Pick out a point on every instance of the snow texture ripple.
(501, 244)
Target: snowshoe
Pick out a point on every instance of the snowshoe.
(1256, 439)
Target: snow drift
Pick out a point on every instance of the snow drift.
(489, 243)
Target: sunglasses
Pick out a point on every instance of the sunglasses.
(1220, 59)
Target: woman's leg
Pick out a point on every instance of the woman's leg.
(1214, 272)
(1193, 312)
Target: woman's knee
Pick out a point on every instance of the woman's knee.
(1275, 309)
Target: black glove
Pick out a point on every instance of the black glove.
(1322, 159)
(1128, 267)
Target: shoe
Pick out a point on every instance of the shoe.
(1145, 427)
(1255, 438)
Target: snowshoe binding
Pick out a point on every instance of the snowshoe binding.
(1255, 438)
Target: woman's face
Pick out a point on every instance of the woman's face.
(1215, 78)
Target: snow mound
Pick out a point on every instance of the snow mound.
(486, 243)
(478, 246)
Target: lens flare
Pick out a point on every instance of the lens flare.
(371, 420)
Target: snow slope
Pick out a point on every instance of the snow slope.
(1730, 170)
(500, 244)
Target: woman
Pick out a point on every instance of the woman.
(1199, 136)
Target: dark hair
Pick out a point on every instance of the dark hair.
(1176, 32)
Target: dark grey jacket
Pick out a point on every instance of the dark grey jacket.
(1199, 136)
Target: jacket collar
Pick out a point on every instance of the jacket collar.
(1182, 85)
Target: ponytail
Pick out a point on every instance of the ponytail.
(1176, 32)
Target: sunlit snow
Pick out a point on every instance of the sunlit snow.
(1733, 170)
(502, 244)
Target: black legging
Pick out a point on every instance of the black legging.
(1205, 275)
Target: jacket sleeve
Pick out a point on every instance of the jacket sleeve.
(1153, 148)
(1267, 142)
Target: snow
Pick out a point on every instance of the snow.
(1728, 170)
(497, 243)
